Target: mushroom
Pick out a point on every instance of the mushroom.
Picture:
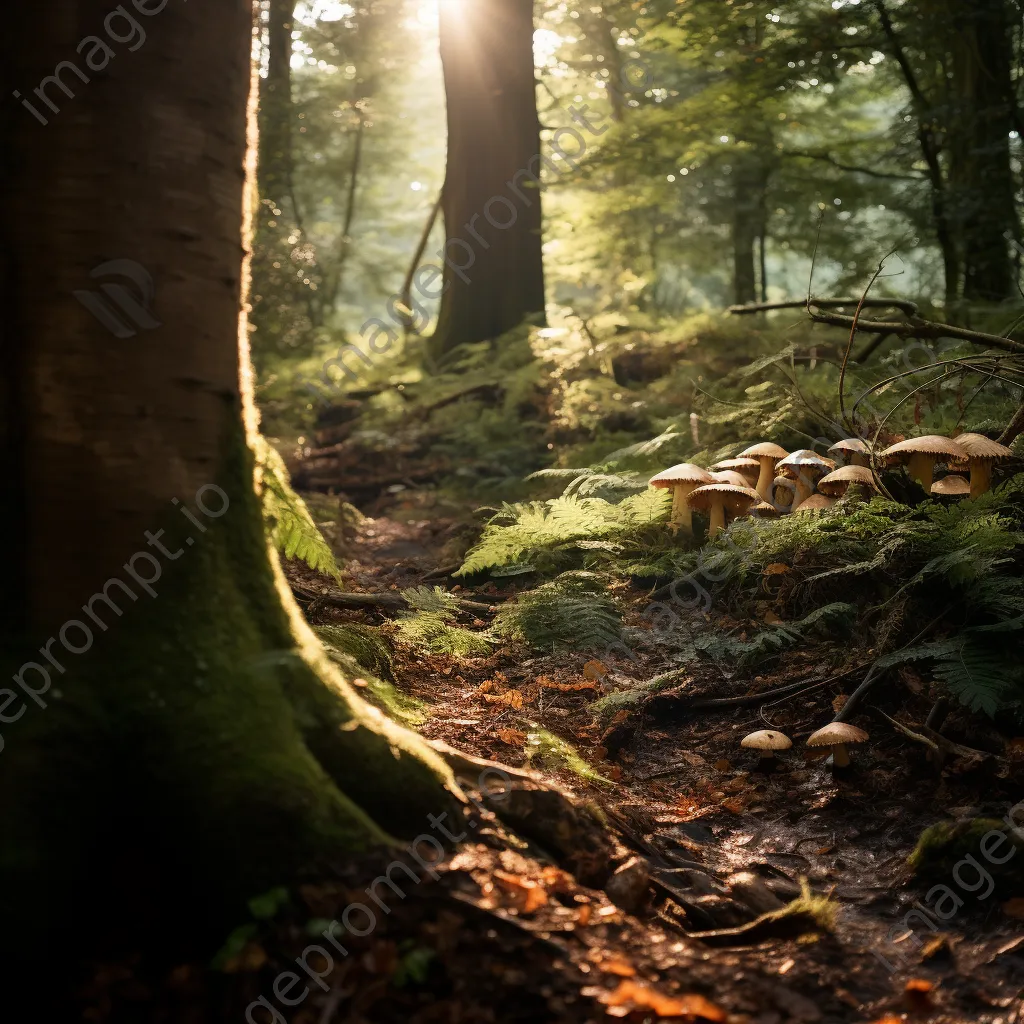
(730, 476)
(783, 490)
(837, 482)
(837, 735)
(953, 485)
(815, 503)
(768, 455)
(854, 450)
(766, 742)
(721, 498)
(984, 454)
(764, 510)
(749, 469)
(681, 480)
(805, 467)
(921, 453)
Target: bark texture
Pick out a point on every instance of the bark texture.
(201, 749)
(494, 231)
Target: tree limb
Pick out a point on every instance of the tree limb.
(853, 168)
(908, 307)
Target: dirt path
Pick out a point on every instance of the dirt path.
(681, 794)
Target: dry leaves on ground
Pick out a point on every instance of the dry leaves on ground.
(635, 995)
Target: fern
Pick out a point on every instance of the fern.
(569, 613)
(430, 625)
(289, 524)
(979, 678)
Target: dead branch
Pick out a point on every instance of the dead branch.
(908, 307)
(915, 328)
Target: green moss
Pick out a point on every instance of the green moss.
(941, 846)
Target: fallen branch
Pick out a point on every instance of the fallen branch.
(391, 602)
(908, 307)
(914, 328)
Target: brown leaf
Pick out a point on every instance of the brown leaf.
(486, 686)
(513, 699)
(723, 765)
(595, 670)
(513, 737)
(839, 702)
(638, 996)
(690, 757)
(771, 619)
(736, 804)
(776, 569)
(527, 895)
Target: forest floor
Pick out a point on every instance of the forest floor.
(524, 941)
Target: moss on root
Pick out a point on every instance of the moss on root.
(203, 750)
(941, 847)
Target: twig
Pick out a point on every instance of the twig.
(853, 335)
(408, 321)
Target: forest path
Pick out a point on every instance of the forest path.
(682, 795)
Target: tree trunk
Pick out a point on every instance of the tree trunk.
(750, 178)
(171, 754)
(275, 109)
(983, 182)
(494, 272)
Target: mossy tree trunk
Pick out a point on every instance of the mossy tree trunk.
(198, 748)
(494, 273)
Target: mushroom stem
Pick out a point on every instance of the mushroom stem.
(840, 756)
(981, 476)
(920, 467)
(717, 519)
(804, 488)
(682, 517)
(766, 479)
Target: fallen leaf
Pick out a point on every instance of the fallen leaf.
(1015, 908)
(722, 765)
(736, 804)
(528, 895)
(595, 670)
(692, 758)
(636, 995)
(839, 702)
(548, 684)
(513, 737)
(513, 699)
(776, 569)
(771, 619)
(486, 686)
(613, 772)
(612, 963)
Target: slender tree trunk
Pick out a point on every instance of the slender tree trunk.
(750, 177)
(173, 753)
(494, 275)
(982, 174)
(275, 110)
(337, 276)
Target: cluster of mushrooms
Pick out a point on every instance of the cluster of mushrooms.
(766, 480)
(836, 736)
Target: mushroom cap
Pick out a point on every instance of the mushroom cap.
(684, 473)
(836, 732)
(853, 445)
(978, 446)
(952, 484)
(764, 450)
(931, 444)
(765, 509)
(733, 497)
(784, 481)
(767, 739)
(739, 464)
(804, 459)
(815, 503)
(836, 483)
(730, 476)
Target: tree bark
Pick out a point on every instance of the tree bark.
(494, 274)
(199, 748)
(982, 177)
(750, 177)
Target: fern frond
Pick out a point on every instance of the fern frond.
(291, 527)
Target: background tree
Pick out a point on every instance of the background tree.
(493, 134)
(201, 749)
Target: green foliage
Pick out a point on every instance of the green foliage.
(572, 612)
(519, 532)
(289, 523)
(430, 625)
